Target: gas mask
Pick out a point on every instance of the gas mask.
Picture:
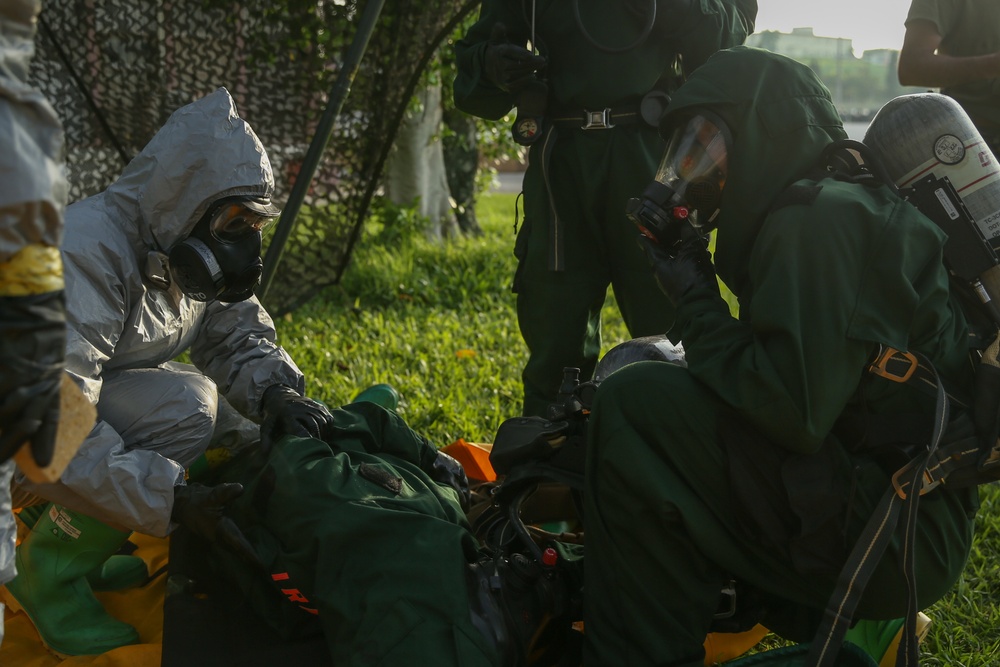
(220, 258)
(683, 199)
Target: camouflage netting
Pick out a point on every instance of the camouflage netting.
(116, 69)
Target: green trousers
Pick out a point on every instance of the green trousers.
(360, 544)
(576, 241)
(664, 533)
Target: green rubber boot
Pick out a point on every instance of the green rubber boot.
(880, 639)
(31, 515)
(117, 573)
(52, 589)
(380, 394)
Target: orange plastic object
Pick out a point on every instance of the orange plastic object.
(724, 646)
(474, 457)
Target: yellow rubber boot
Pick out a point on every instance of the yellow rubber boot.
(51, 584)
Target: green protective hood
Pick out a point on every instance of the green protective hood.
(781, 118)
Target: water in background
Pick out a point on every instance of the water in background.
(855, 129)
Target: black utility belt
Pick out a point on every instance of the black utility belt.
(648, 111)
(601, 119)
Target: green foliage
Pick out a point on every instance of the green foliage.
(391, 224)
(299, 30)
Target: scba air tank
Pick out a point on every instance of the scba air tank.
(930, 134)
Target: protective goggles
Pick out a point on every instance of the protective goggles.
(232, 221)
(695, 164)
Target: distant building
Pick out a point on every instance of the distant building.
(885, 57)
(802, 45)
(859, 86)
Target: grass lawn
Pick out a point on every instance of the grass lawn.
(437, 321)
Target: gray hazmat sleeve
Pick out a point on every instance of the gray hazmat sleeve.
(235, 346)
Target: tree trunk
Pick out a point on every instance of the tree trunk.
(415, 171)
(461, 163)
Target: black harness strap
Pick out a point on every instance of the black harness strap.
(557, 261)
(600, 119)
(877, 535)
(908, 367)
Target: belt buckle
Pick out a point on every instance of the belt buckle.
(597, 120)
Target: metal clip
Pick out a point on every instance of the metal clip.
(727, 601)
(597, 120)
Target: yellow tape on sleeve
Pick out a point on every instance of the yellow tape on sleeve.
(34, 269)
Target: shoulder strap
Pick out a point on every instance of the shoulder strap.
(911, 368)
(853, 161)
(844, 159)
(871, 546)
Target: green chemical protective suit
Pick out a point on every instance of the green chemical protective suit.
(359, 543)
(575, 239)
(743, 465)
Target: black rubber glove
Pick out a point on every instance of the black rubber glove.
(448, 471)
(200, 509)
(508, 66)
(32, 356)
(288, 413)
(677, 272)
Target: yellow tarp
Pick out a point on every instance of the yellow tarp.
(140, 607)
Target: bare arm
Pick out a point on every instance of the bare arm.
(920, 63)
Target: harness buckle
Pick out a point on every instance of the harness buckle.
(597, 120)
(928, 482)
(890, 355)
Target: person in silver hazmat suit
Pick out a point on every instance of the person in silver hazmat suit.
(164, 261)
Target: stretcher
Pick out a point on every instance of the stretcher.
(186, 617)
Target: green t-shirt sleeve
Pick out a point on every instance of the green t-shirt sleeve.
(939, 12)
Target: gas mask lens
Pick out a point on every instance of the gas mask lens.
(685, 195)
(234, 221)
(220, 258)
(695, 164)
